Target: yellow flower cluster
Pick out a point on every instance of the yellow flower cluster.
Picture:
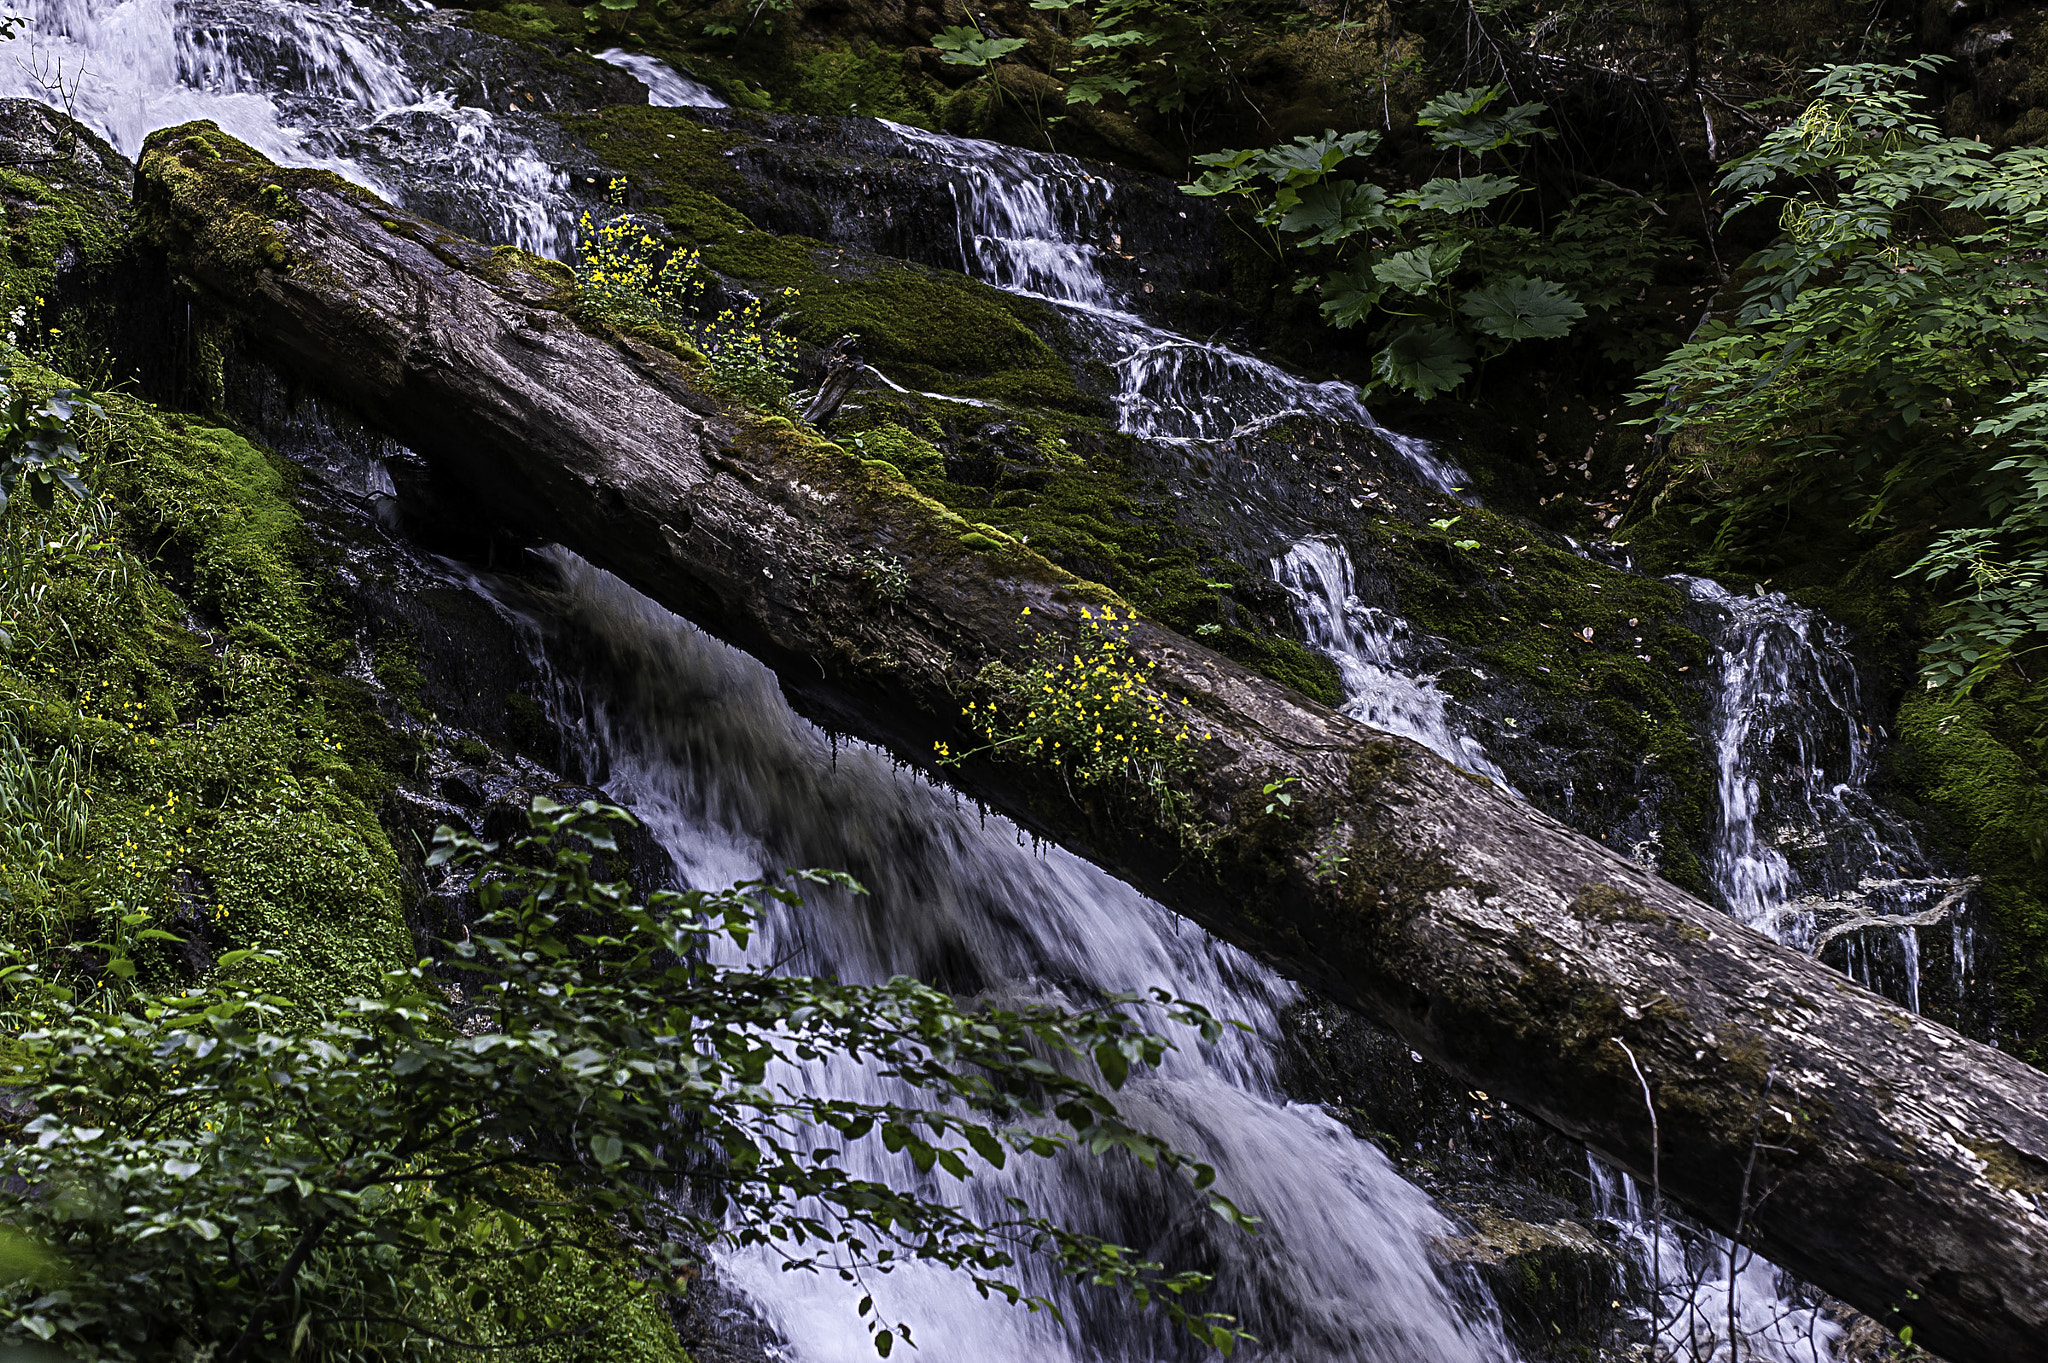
(1090, 709)
(626, 272)
(749, 357)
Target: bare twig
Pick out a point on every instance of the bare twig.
(1656, 1192)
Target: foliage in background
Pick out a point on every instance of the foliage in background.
(279, 1175)
(1178, 58)
(1441, 274)
(1884, 368)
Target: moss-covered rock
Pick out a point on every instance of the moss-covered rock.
(925, 328)
(235, 781)
(1977, 763)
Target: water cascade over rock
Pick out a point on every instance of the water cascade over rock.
(694, 736)
(697, 739)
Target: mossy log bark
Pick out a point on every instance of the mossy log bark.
(1906, 1167)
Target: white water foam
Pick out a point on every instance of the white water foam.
(306, 84)
(699, 741)
(1366, 644)
(667, 87)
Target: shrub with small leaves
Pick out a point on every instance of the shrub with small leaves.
(281, 1179)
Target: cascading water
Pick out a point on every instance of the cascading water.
(697, 739)
(666, 87)
(307, 84)
(1802, 852)
(1366, 646)
(1031, 223)
(1793, 756)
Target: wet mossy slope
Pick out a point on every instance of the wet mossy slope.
(186, 748)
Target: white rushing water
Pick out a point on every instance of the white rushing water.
(1034, 223)
(697, 739)
(667, 87)
(1366, 644)
(305, 83)
(1801, 843)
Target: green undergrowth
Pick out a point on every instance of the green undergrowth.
(925, 328)
(180, 755)
(170, 653)
(1980, 765)
(1065, 488)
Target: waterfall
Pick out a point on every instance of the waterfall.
(1801, 845)
(306, 84)
(697, 739)
(1034, 223)
(1366, 644)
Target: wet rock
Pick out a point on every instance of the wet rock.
(1560, 1288)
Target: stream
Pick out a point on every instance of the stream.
(697, 739)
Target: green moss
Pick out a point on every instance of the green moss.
(1607, 649)
(925, 328)
(233, 782)
(42, 222)
(1978, 764)
(1086, 513)
(217, 202)
(864, 79)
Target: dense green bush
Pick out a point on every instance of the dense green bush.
(293, 1179)
(1884, 367)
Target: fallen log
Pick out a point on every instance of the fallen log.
(1906, 1166)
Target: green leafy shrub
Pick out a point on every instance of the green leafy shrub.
(1440, 273)
(1884, 368)
(282, 1178)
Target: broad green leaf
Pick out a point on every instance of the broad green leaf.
(1328, 212)
(1462, 195)
(1425, 359)
(1420, 269)
(1349, 296)
(1519, 309)
(1460, 120)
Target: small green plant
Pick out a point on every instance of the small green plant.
(39, 444)
(1089, 710)
(886, 575)
(1279, 798)
(44, 805)
(1331, 860)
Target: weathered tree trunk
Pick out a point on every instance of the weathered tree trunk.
(1909, 1172)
